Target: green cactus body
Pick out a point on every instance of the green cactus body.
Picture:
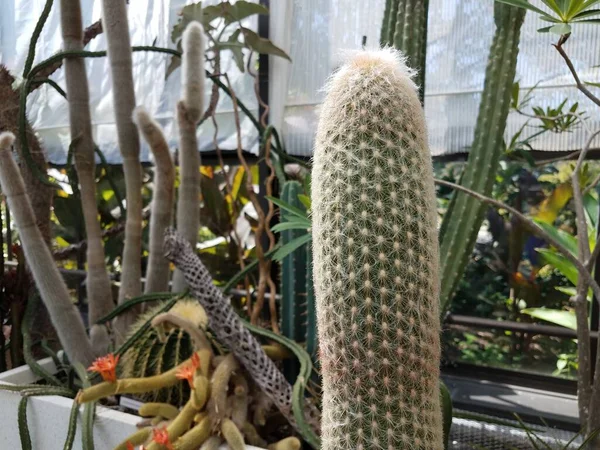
(293, 273)
(375, 249)
(152, 355)
(404, 27)
(465, 214)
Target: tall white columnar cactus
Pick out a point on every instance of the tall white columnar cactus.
(375, 250)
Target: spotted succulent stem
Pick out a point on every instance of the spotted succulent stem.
(376, 260)
(227, 326)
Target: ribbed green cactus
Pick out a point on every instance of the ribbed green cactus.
(375, 249)
(154, 355)
(404, 27)
(293, 272)
(297, 314)
(465, 214)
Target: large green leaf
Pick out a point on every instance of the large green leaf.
(566, 239)
(560, 263)
(262, 45)
(290, 208)
(291, 246)
(291, 225)
(562, 318)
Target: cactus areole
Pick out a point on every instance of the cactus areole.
(375, 250)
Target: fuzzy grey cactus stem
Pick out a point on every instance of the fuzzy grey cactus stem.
(157, 273)
(376, 261)
(98, 287)
(189, 111)
(54, 293)
(116, 30)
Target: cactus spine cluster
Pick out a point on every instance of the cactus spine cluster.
(465, 214)
(404, 27)
(376, 261)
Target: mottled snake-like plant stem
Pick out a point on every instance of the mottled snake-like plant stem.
(227, 326)
(375, 256)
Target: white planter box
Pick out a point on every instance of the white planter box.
(48, 418)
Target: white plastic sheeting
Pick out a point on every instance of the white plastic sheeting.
(460, 33)
(150, 21)
(459, 36)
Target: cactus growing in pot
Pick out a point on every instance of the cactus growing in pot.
(375, 252)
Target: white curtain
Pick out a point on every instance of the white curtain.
(150, 21)
(459, 37)
(313, 32)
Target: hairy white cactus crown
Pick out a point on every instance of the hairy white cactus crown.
(376, 260)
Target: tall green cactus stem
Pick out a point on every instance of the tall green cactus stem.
(293, 273)
(405, 28)
(297, 317)
(465, 214)
(376, 261)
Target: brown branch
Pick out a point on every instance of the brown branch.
(269, 191)
(89, 33)
(263, 263)
(534, 228)
(581, 86)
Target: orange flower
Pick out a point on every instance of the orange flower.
(161, 437)
(106, 366)
(187, 372)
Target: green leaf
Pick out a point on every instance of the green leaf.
(292, 225)
(232, 13)
(570, 291)
(590, 204)
(515, 95)
(559, 10)
(188, 14)
(291, 246)
(558, 317)
(305, 200)
(574, 7)
(560, 263)
(588, 13)
(238, 54)
(262, 45)
(561, 28)
(544, 30)
(561, 364)
(289, 208)
(588, 21)
(589, 83)
(242, 9)
(566, 239)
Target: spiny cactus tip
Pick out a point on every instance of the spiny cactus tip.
(384, 60)
(6, 140)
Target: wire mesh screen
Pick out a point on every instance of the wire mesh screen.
(460, 34)
(480, 432)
